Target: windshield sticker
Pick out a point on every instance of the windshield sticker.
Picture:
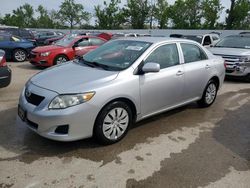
(136, 48)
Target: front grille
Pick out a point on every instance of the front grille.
(33, 98)
(229, 71)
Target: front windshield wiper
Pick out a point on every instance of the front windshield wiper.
(93, 64)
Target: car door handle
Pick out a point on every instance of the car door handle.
(208, 67)
(179, 73)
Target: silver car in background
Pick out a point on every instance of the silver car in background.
(235, 49)
(118, 84)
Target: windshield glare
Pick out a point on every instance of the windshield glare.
(234, 42)
(66, 41)
(118, 55)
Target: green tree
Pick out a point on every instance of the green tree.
(111, 16)
(43, 20)
(161, 12)
(237, 14)
(137, 12)
(193, 13)
(186, 14)
(23, 16)
(211, 10)
(178, 14)
(72, 13)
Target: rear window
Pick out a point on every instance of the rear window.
(193, 37)
(25, 33)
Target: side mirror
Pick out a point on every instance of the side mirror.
(211, 45)
(151, 67)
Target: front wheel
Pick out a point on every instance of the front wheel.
(60, 59)
(19, 55)
(113, 122)
(209, 94)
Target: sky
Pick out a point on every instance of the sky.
(8, 5)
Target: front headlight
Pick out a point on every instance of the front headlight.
(44, 54)
(245, 60)
(68, 100)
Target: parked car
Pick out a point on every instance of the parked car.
(118, 84)
(64, 50)
(106, 36)
(235, 49)
(42, 36)
(5, 72)
(121, 35)
(16, 48)
(52, 40)
(205, 40)
(22, 33)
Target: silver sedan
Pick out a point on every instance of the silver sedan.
(124, 81)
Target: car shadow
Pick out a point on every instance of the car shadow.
(30, 67)
(29, 146)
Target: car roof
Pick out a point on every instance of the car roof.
(155, 40)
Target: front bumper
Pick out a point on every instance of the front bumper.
(5, 76)
(37, 60)
(80, 119)
(237, 70)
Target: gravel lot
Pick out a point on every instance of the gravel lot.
(186, 147)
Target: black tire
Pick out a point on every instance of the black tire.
(19, 55)
(248, 78)
(99, 132)
(57, 59)
(204, 101)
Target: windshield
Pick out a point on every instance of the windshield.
(193, 37)
(66, 41)
(117, 55)
(234, 42)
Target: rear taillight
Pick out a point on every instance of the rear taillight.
(3, 62)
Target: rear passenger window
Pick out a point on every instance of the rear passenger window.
(95, 42)
(166, 56)
(192, 53)
(4, 38)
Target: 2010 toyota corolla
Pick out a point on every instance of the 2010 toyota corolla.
(118, 84)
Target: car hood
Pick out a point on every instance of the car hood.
(72, 77)
(230, 51)
(47, 48)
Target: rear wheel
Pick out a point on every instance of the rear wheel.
(19, 55)
(209, 94)
(113, 122)
(60, 59)
(248, 78)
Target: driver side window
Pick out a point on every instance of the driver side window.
(166, 55)
(84, 42)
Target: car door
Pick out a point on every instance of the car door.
(81, 46)
(6, 45)
(196, 67)
(162, 89)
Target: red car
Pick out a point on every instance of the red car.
(64, 50)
